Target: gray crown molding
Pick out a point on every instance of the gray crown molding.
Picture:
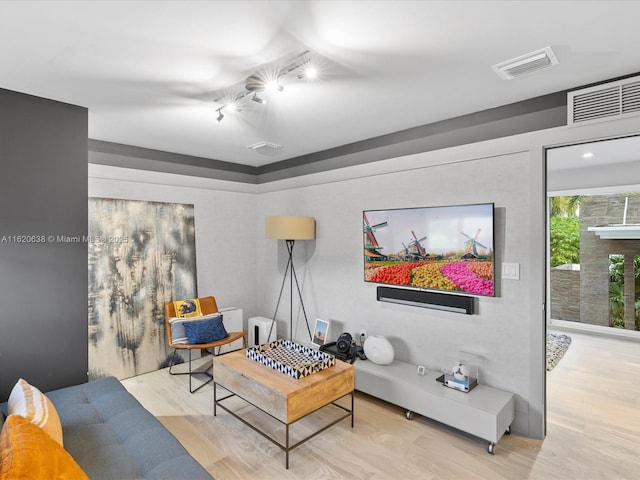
(531, 115)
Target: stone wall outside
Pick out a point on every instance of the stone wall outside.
(565, 293)
(594, 255)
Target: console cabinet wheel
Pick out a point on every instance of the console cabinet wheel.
(491, 448)
(508, 430)
(409, 415)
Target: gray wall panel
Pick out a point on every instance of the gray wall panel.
(43, 192)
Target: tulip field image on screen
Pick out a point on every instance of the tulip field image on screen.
(435, 248)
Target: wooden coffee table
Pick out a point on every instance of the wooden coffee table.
(282, 397)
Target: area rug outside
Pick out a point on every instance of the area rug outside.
(557, 346)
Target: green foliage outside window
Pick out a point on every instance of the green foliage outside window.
(616, 290)
(565, 240)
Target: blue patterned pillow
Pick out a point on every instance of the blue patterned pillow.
(205, 329)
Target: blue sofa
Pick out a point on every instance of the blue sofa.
(112, 437)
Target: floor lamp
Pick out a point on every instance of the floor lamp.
(290, 229)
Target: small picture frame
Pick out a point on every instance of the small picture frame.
(320, 332)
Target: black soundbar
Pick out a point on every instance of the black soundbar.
(420, 298)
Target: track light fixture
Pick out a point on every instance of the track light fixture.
(273, 86)
(265, 81)
(309, 72)
(257, 99)
(254, 83)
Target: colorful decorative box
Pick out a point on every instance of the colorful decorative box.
(290, 358)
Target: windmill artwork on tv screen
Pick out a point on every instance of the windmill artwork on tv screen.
(434, 248)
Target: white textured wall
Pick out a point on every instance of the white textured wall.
(332, 265)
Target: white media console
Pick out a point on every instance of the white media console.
(485, 412)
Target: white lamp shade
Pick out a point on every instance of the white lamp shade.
(290, 228)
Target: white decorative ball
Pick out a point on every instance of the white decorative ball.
(460, 372)
(379, 350)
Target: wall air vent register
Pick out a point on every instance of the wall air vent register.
(609, 101)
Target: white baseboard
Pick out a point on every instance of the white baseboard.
(586, 328)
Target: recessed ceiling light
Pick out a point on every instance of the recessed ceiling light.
(587, 154)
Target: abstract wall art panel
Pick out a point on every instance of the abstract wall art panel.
(141, 255)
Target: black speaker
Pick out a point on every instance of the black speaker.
(256, 335)
(343, 344)
(420, 298)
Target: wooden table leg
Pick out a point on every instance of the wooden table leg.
(287, 447)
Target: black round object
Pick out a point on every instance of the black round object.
(343, 344)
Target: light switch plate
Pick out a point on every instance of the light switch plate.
(511, 271)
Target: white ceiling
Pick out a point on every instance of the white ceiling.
(148, 70)
(617, 151)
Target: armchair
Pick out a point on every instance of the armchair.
(208, 306)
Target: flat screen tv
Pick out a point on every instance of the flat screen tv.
(447, 249)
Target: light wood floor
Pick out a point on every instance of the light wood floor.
(593, 430)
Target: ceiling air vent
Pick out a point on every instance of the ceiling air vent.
(525, 64)
(609, 101)
(265, 148)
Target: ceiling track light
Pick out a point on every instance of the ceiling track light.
(273, 86)
(233, 106)
(262, 81)
(257, 99)
(308, 71)
(254, 83)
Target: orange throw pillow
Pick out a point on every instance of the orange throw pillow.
(31, 403)
(28, 453)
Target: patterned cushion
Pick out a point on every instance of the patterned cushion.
(187, 308)
(27, 452)
(208, 328)
(30, 403)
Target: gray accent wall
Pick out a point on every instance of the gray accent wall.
(43, 281)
